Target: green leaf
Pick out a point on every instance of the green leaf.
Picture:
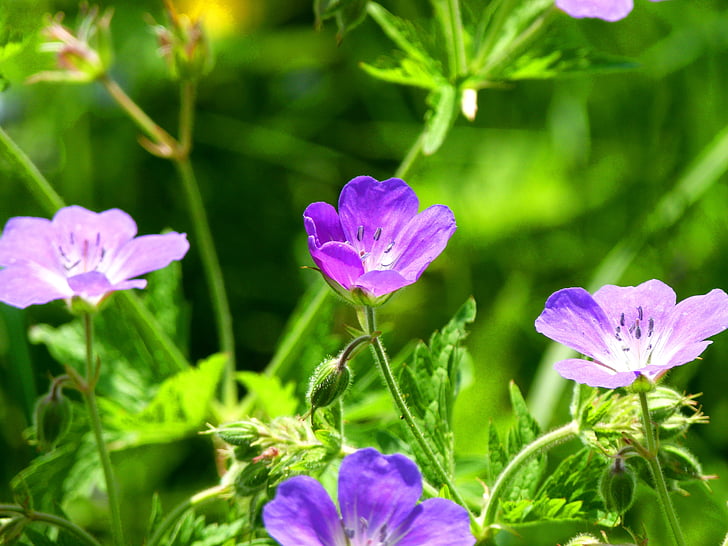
(555, 63)
(178, 408)
(430, 384)
(348, 13)
(402, 70)
(275, 399)
(439, 118)
(525, 431)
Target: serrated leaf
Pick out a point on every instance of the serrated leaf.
(564, 63)
(178, 408)
(430, 384)
(274, 398)
(525, 431)
(439, 118)
(402, 71)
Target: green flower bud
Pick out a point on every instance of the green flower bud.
(251, 479)
(583, 539)
(642, 384)
(617, 486)
(53, 415)
(238, 434)
(328, 383)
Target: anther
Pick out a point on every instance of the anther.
(638, 332)
(389, 247)
(650, 327)
(360, 233)
(639, 312)
(616, 333)
(621, 319)
(98, 239)
(72, 239)
(377, 233)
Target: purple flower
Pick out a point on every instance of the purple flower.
(609, 10)
(630, 331)
(377, 242)
(378, 497)
(79, 254)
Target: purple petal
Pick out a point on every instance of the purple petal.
(112, 227)
(380, 283)
(373, 212)
(95, 284)
(376, 490)
(655, 298)
(699, 317)
(609, 10)
(421, 241)
(303, 514)
(145, 254)
(682, 355)
(592, 374)
(322, 223)
(438, 522)
(28, 240)
(573, 318)
(338, 261)
(21, 286)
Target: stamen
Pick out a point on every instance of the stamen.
(365, 255)
(98, 239)
(73, 242)
(389, 247)
(638, 332)
(377, 233)
(360, 233)
(650, 327)
(349, 533)
(639, 312)
(616, 333)
(621, 319)
(383, 533)
(74, 264)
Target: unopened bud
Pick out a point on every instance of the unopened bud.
(252, 479)
(328, 383)
(617, 486)
(642, 384)
(53, 414)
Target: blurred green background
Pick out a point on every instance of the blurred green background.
(549, 179)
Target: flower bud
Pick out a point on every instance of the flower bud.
(183, 44)
(328, 383)
(53, 414)
(252, 479)
(617, 486)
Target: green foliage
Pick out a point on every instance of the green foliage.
(273, 398)
(430, 384)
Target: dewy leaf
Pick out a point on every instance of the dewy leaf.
(439, 118)
(178, 409)
(431, 383)
(271, 395)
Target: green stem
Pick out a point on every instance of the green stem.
(455, 31)
(653, 462)
(21, 165)
(213, 274)
(412, 154)
(380, 356)
(188, 93)
(88, 391)
(539, 445)
(199, 499)
(166, 145)
(50, 519)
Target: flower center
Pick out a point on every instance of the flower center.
(363, 536)
(81, 255)
(636, 339)
(375, 254)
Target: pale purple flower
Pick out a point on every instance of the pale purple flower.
(630, 331)
(377, 243)
(79, 253)
(609, 10)
(378, 497)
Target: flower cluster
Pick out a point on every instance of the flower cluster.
(79, 254)
(609, 10)
(630, 331)
(378, 498)
(377, 243)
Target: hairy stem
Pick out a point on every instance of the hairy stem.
(539, 445)
(196, 500)
(50, 519)
(89, 396)
(213, 274)
(382, 360)
(653, 462)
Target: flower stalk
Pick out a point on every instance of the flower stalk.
(539, 445)
(653, 462)
(50, 519)
(382, 360)
(88, 391)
